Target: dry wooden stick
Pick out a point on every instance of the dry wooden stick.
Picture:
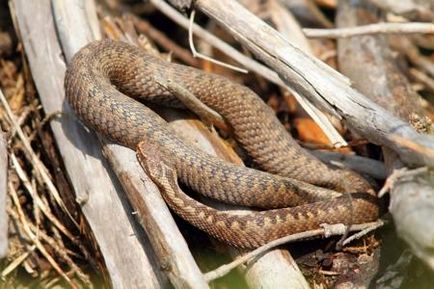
(376, 28)
(357, 163)
(330, 230)
(286, 23)
(3, 196)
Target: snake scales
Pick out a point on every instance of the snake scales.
(104, 79)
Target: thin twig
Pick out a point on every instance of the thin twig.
(397, 175)
(200, 55)
(363, 232)
(377, 28)
(329, 230)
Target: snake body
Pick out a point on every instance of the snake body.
(103, 84)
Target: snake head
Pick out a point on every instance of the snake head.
(152, 161)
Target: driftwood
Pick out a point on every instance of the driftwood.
(87, 172)
(368, 61)
(319, 83)
(3, 192)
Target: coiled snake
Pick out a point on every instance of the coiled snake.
(103, 83)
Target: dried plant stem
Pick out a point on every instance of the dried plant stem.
(202, 56)
(377, 28)
(36, 162)
(57, 246)
(34, 238)
(17, 261)
(37, 200)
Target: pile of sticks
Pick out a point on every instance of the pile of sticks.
(89, 187)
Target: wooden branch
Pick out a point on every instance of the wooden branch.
(356, 163)
(83, 161)
(286, 23)
(166, 240)
(3, 195)
(330, 230)
(410, 196)
(318, 82)
(376, 28)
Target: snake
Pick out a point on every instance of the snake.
(111, 86)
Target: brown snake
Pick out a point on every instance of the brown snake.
(102, 83)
